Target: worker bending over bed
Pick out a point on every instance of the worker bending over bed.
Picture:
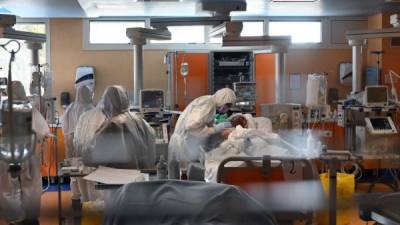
(196, 124)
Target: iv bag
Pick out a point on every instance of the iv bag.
(316, 90)
(184, 69)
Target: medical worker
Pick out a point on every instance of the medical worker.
(196, 124)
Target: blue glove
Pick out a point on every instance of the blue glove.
(221, 126)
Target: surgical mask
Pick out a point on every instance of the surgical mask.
(223, 109)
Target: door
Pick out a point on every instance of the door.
(265, 79)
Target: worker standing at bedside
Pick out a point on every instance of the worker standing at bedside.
(196, 124)
(83, 103)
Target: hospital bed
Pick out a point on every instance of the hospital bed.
(272, 179)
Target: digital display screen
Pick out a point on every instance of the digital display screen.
(152, 99)
(380, 123)
(377, 95)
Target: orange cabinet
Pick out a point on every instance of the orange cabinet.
(198, 78)
(265, 79)
(196, 81)
(48, 153)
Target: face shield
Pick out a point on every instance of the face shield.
(224, 109)
(84, 95)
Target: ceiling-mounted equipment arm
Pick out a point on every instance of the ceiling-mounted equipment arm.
(373, 33)
(220, 10)
(163, 23)
(267, 41)
(138, 37)
(227, 29)
(6, 30)
(222, 7)
(357, 39)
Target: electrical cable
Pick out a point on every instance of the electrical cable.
(50, 155)
(357, 170)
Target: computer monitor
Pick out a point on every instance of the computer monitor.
(380, 125)
(151, 100)
(376, 96)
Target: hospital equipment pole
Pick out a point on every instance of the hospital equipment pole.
(332, 192)
(357, 46)
(137, 71)
(280, 71)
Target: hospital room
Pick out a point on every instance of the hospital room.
(199, 112)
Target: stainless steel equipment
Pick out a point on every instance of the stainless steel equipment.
(283, 116)
(245, 96)
(371, 131)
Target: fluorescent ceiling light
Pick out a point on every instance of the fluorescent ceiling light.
(294, 0)
(112, 6)
(128, 3)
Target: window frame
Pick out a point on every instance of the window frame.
(325, 36)
(26, 67)
(46, 22)
(242, 19)
(324, 30)
(98, 46)
(139, 21)
(157, 46)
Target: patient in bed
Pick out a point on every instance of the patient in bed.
(250, 137)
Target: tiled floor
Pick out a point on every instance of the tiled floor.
(49, 207)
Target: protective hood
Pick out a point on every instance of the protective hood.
(83, 103)
(114, 101)
(224, 96)
(83, 95)
(18, 91)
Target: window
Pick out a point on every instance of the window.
(301, 32)
(111, 32)
(250, 28)
(185, 35)
(31, 27)
(22, 70)
(253, 28)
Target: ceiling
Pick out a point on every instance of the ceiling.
(86, 8)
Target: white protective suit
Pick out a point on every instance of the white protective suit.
(195, 125)
(123, 140)
(24, 203)
(83, 103)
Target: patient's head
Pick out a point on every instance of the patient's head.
(239, 120)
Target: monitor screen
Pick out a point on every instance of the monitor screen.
(380, 123)
(152, 99)
(377, 94)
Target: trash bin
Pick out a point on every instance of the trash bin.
(345, 188)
